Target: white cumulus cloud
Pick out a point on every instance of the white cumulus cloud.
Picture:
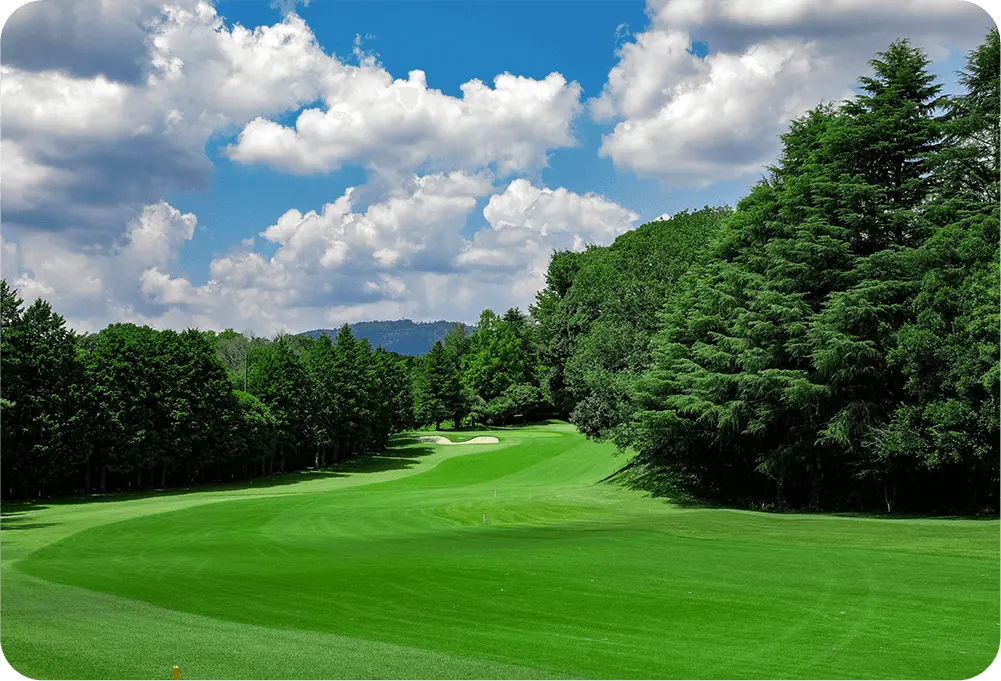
(84, 151)
(692, 122)
(404, 256)
(371, 119)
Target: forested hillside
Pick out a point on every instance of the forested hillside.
(830, 343)
(401, 336)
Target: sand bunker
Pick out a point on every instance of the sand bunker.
(439, 440)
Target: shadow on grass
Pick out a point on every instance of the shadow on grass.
(403, 452)
(670, 488)
(876, 515)
(20, 516)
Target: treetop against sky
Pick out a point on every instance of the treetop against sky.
(292, 166)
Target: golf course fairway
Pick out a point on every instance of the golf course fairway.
(506, 560)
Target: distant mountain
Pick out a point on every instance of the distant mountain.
(401, 335)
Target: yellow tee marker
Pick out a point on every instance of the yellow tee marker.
(177, 672)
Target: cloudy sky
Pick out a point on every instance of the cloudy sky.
(287, 166)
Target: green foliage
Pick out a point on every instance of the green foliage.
(495, 357)
(555, 330)
(437, 388)
(599, 309)
(43, 388)
(280, 381)
(322, 394)
(134, 407)
(520, 402)
(941, 433)
(456, 345)
(254, 431)
(830, 352)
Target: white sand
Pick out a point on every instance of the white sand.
(439, 440)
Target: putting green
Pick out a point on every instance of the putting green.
(388, 570)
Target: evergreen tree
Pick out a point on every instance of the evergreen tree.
(494, 361)
(891, 137)
(349, 384)
(712, 401)
(202, 401)
(524, 331)
(437, 389)
(369, 395)
(456, 345)
(253, 433)
(10, 385)
(615, 300)
(750, 363)
(325, 402)
(280, 381)
(920, 327)
(399, 386)
(43, 385)
(557, 329)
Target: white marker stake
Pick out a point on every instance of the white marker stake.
(484, 518)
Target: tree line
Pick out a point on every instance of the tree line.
(831, 343)
(132, 407)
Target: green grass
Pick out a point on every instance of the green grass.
(387, 571)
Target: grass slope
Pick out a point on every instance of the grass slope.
(388, 571)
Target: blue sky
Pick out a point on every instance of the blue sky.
(236, 164)
(491, 37)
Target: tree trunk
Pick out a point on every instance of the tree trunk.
(187, 472)
(139, 478)
(316, 461)
(86, 467)
(104, 479)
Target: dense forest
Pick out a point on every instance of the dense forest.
(402, 336)
(132, 407)
(830, 343)
(833, 342)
